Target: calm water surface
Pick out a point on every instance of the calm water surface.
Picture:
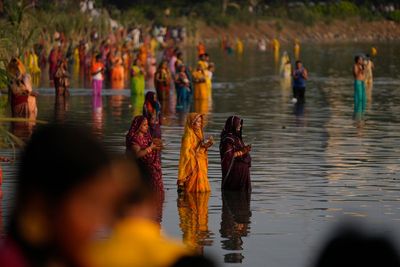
(313, 165)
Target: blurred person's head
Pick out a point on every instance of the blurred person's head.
(352, 247)
(299, 64)
(64, 192)
(137, 199)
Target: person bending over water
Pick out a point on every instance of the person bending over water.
(235, 156)
(193, 162)
(359, 85)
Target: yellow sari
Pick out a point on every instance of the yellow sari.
(193, 162)
(201, 89)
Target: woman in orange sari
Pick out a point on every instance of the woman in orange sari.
(193, 162)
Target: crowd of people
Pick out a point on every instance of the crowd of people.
(55, 221)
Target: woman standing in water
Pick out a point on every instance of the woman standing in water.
(140, 143)
(200, 83)
(193, 162)
(152, 112)
(137, 73)
(61, 79)
(235, 157)
(162, 81)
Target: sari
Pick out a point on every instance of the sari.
(162, 82)
(193, 162)
(235, 170)
(138, 82)
(201, 90)
(151, 161)
(152, 112)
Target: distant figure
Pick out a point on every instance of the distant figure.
(235, 157)
(162, 81)
(193, 162)
(201, 89)
(360, 98)
(152, 112)
(369, 67)
(374, 51)
(262, 46)
(182, 85)
(138, 78)
(97, 72)
(351, 247)
(300, 75)
(296, 49)
(201, 49)
(239, 46)
(58, 209)
(22, 97)
(284, 59)
(61, 79)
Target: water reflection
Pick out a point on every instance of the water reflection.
(235, 223)
(61, 106)
(137, 102)
(193, 216)
(97, 104)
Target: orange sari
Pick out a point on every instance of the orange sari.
(193, 162)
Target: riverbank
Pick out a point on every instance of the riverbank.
(339, 31)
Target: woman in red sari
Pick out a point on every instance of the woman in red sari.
(235, 157)
(162, 81)
(140, 143)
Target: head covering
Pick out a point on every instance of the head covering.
(190, 121)
(16, 68)
(150, 105)
(231, 125)
(149, 99)
(135, 126)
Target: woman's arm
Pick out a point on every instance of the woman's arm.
(140, 153)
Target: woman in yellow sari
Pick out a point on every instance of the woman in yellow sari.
(193, 162)
(201, 90)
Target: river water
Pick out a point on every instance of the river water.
(314, 165)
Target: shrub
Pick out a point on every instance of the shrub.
(394, 15)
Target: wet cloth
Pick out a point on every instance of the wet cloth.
(138, 81)
(360, 98)
(193, 162)
(235, 170)
(151, 161)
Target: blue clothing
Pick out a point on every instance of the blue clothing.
(360, 98)
(300, 81)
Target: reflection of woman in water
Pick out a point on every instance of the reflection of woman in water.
(235, 222)
(235, 157)
(193, 216)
